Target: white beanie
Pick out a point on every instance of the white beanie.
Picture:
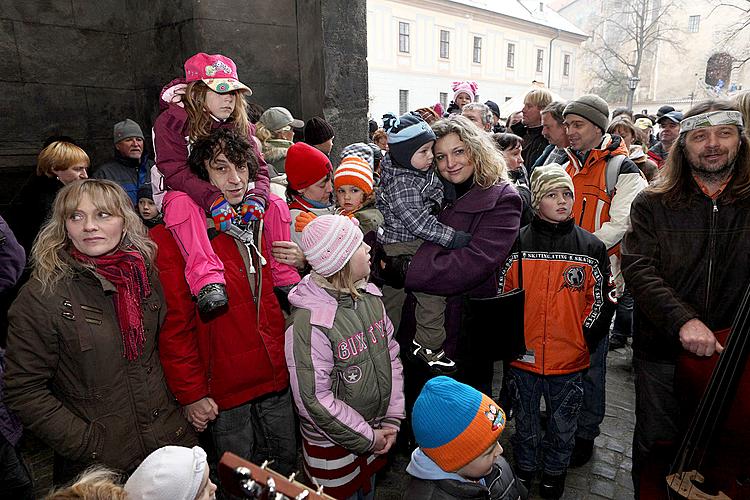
(173, 472)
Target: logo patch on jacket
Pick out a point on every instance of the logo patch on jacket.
(352, 374)
(573, 277)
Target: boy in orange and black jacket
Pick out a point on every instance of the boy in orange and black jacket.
(568, 309)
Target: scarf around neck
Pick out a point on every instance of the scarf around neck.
(126, 270)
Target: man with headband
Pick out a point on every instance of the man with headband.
(686, 259)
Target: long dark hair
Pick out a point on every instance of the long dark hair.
(676, 177)
(506, 140)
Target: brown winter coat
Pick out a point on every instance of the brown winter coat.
(69, 383)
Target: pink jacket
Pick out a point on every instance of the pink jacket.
(277, 227)
(172, 149)
(344, 368)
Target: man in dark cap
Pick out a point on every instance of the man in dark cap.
(669, 123)
(319, 134)
(496, 126)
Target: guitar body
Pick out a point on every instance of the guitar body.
(726, 460)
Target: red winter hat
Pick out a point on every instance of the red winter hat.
(305, 165)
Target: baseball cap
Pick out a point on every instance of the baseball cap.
(215, 70)
(673, 116)
(277, 118)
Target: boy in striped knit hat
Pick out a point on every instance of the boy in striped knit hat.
(457, 428)
(353, 185)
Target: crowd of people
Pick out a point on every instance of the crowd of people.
(242, 292)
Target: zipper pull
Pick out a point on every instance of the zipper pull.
(583, 209)
(716, 207)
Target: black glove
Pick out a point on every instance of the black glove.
(393, 273)
(460, 240)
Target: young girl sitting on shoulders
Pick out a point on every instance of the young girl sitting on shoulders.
(209, 97)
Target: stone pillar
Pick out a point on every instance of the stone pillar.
(69, 69)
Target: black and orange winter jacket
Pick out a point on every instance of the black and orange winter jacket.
(569, 295)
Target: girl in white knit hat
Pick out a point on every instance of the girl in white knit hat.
(344, 368)
(173, 472)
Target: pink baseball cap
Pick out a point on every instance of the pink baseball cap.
(217, 71)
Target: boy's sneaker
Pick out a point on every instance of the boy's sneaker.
(552, 486)
(212, 297)
(437, 361)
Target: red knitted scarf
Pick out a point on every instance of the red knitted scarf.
(127, 271)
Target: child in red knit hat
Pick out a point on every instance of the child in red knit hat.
(309, 174)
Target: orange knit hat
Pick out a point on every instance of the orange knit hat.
(354, 171)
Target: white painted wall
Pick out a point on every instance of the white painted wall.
(424, 74)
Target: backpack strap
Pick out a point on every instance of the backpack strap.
(613, 171)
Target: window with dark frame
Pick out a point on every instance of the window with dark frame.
(403, 101)
(694, 23)
(511, 62)
(478, 49)
(403, 37)
(445, 41)
(566, 65)
(539, 60)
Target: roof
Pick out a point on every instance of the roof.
(526, 10)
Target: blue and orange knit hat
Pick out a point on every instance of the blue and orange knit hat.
(454, 423)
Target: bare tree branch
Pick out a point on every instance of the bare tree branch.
(619, 49)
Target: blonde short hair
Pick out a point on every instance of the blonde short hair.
(541, 98)
(59, 155)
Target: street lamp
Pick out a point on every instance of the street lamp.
(632, 84)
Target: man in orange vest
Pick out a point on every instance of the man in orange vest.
(606, 182)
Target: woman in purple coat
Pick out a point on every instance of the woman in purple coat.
(479, 200)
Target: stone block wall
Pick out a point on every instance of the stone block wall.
(75, 67)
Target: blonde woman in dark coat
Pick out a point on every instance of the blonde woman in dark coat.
(83, 373)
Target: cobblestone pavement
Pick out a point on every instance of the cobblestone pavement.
(607, 475)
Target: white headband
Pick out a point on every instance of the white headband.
(711, 119)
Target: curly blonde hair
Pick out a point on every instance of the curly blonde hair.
(96, 483)
(48, 262)
(200, 121)
(489, 164)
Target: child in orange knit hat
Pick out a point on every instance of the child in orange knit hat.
(353, 185)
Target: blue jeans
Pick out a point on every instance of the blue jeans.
(594, 393)
(261, 429)
(563, 395)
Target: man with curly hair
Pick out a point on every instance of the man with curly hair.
(227, 368)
